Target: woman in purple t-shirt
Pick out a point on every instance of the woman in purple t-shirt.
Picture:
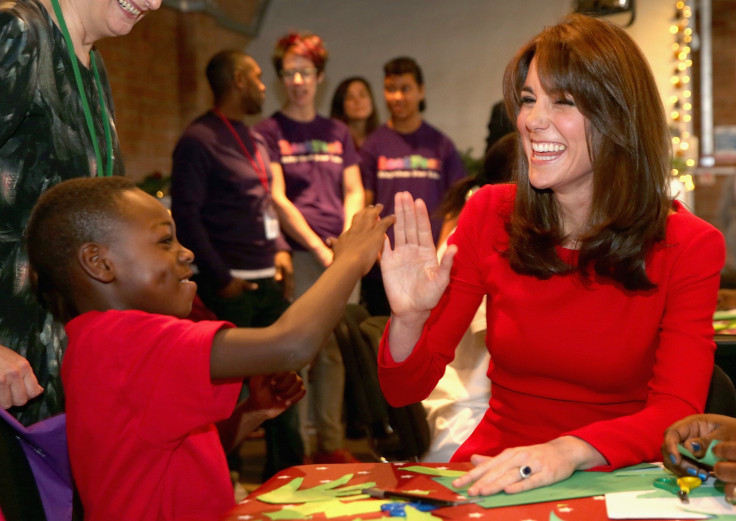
(317, 189)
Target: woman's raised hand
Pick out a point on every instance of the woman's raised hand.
(413, 279)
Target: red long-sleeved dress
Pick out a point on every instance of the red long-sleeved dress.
(610, 366)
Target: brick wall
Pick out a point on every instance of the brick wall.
(158, 83)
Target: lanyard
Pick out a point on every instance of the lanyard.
(83, 95)
(260, 168)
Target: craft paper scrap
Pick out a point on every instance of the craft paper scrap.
(651, 505)
(412, 514)
(708, 458)
(290, 492)
(580, 484)
(432, 471)
(332, 508)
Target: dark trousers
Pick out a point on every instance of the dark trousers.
(261, 308)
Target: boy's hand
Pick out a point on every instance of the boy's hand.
(274, 393)
(365, 237)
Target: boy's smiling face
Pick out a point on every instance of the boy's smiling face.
(151, 268)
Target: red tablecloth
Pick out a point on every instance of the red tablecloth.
(391, 476)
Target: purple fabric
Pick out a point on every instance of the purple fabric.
(313, 156)
(424, 163)
(44, 444)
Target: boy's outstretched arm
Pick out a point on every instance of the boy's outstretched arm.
(294, 339)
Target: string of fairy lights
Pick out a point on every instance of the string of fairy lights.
(684, 145)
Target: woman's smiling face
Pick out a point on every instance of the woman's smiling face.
(553, 132)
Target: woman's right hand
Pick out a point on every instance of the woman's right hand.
(18, 384)
(413, 279)
(696, 433)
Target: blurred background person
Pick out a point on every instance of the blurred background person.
(405, 154)
(222, 206)
(316, 190)
(353, 104)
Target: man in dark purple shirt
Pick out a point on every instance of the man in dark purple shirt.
(405, 154)
(221, 204)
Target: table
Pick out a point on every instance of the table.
(391, 476)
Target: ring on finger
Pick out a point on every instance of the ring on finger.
(525, 471)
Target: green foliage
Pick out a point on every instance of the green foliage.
(472, 164)
(155, 184)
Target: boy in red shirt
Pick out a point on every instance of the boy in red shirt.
(144, 388)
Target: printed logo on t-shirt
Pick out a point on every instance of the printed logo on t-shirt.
(414, 166)
(312, 151)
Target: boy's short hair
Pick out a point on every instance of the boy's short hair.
(405, 65)
(65, 217)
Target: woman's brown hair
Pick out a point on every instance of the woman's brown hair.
(607, 75)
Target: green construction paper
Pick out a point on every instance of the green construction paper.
(431, 471)
(290, 492)
(708, 458)
(331, 508)
(580, 484)
(553, 517)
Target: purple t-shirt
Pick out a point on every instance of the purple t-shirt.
(313, 156)
(424, 163)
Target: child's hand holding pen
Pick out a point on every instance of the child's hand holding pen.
(699, 435)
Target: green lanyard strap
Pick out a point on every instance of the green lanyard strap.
(83, 95)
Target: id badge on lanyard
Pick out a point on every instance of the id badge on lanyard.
(271, 222)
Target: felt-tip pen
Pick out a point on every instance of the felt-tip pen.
(418, 498)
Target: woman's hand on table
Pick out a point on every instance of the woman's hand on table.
(413, 279)
(696, 433)
(543, 464)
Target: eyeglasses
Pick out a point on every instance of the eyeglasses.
(306, 74)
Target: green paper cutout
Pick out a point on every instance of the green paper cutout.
(580, 484)
(290, 493)
(720, 517)
(696, 492)
(708, 458)
(331, 508)
(431, 471)
(412, 514)
(553, 517)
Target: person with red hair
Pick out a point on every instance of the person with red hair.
(317, 189)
